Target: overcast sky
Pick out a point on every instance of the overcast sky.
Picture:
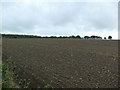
(60, 18)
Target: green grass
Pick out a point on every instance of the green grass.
(7, 77)
(8, 81)
(47, 86)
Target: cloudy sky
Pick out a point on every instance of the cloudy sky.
(60, 18)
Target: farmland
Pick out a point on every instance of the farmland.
(68, 63)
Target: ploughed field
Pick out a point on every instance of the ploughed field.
(68, 63)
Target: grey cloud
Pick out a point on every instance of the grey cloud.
(59, 18)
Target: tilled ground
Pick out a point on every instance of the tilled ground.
(68, 63)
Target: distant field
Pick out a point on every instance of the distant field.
(64, 62)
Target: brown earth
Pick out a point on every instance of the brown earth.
(68, 63)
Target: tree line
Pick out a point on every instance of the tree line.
(35, 36)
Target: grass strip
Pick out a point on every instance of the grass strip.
(7, 77)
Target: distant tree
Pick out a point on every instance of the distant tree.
(86, 37)
(53, 37)
(45, 36)
(65, 37)
(60, 37)
(78, 36)
(98, 37)
(104, 37)
(19, 36)
(110, 37)
(93, 36)
(72, 36)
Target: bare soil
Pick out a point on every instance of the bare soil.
(67, 63)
